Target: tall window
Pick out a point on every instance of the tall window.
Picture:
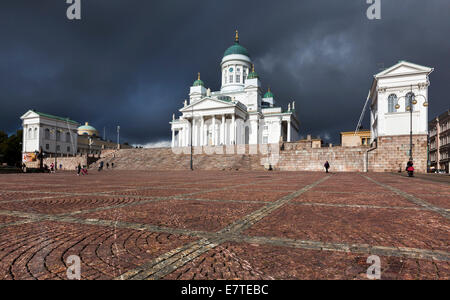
(68, 137)
(408, 100)
(35, 133)
(30, 133)
(47, 134)
(231, 78)
(392, 102)
(58, 135)
(238, 78)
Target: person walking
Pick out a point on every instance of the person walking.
(78, 169)
(327, 166)
(410, 168)
(52, 168)
(107, 165)
(100, 166)
(112, 165)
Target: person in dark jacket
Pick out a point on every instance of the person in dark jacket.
(410, 168)
(327, 166)
(78, 169)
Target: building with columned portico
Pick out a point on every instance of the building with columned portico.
(238, 113)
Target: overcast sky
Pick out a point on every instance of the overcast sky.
(131, 62)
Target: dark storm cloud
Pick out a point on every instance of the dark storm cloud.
(132, 62)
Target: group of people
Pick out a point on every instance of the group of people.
(101, 165)
(83, 170)
(52, 168)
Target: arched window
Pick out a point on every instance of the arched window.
(68, 137)
(408, 100)
(392, 102)
(30, 133)
(35, 133)
(47, 134)
(58, 135)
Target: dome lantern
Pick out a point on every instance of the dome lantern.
(269, 94)
(253, 74)
(198, 82)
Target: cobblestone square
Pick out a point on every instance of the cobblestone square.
(223, 225)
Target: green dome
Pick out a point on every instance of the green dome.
(268, 94)
(87, 129)
(198, 82)
(236, 49)
(252, 75)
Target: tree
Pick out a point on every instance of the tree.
(11, 148)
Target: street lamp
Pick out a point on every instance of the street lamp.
(118, 137)
(192, 133)
(411, 100)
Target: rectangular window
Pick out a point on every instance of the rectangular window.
(47, 146)
(238, 78)
(231, 78)
(68, 149)
(58, 148)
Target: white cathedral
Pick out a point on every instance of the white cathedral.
(238, 113)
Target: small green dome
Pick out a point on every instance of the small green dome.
(198, 82)
(87, 129)
(252, 74)
(268, 94)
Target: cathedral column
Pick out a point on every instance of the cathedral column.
(222, 134)
(202, 132)
(214, 133)
(233, 129)
(289, 130)
(194, 132)
(173, 137)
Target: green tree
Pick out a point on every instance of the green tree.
(11, 148)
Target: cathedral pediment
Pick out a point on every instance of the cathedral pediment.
(404, 68)
(208, 103)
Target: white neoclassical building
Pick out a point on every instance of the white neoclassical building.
(238, 113)
(49, 133)
(391, 95)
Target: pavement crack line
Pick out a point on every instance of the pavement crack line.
(443, 212)
(172, 260)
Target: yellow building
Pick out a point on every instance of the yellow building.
(350, 139)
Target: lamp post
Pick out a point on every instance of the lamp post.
(118, 137)
(192, 133)
(411, 100)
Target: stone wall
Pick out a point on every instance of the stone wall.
(392, 154)
(299, 157)
(68, 163)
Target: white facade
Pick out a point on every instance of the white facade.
(50, 133)
(237, 114)
(389, 114)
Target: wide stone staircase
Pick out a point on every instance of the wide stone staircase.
(166, 159)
